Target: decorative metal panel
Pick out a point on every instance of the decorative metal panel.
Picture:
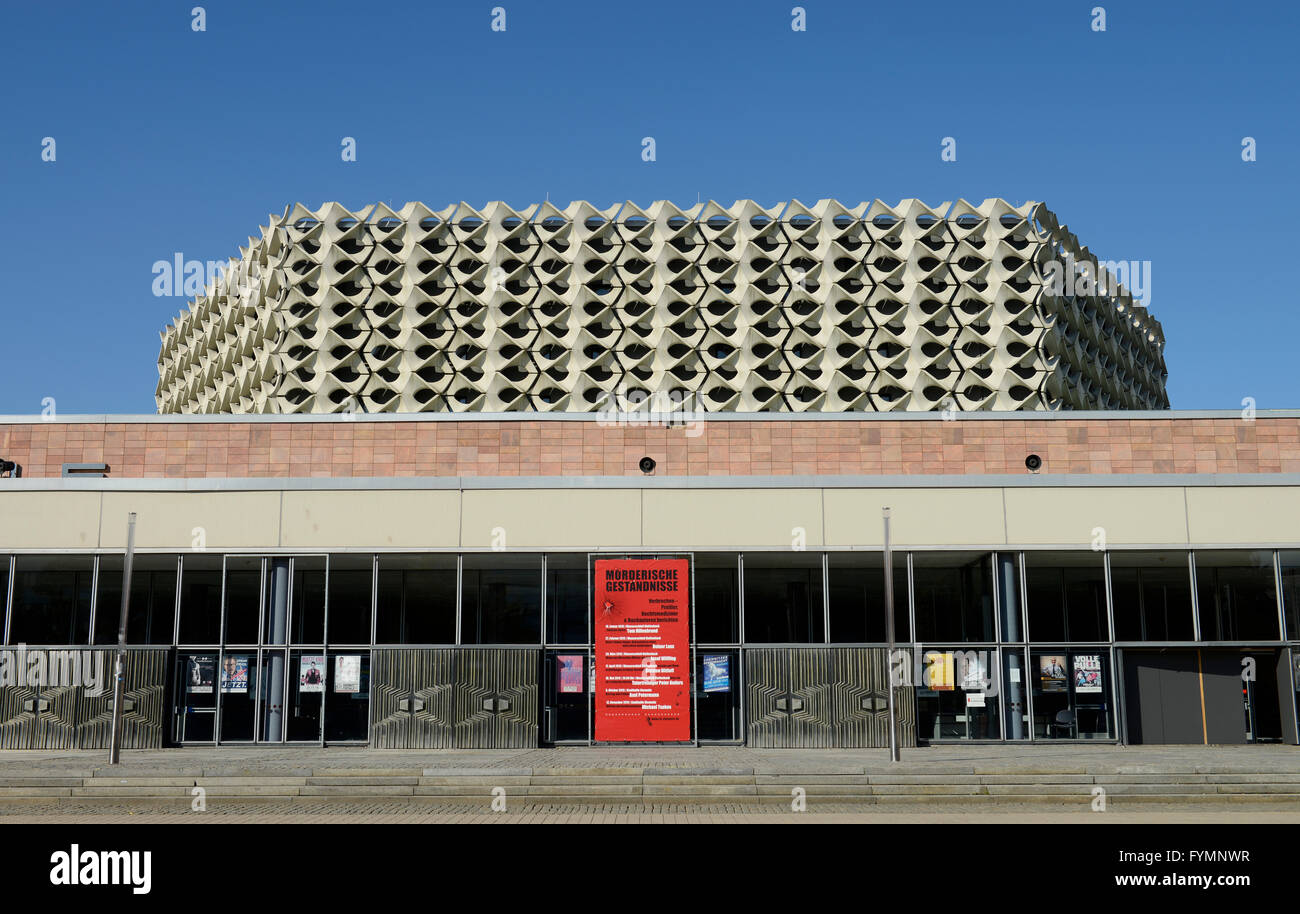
(496, 698)
(767, 678)
(145, 700)
(67, 717)
(822, 698)
(812, 699)
(790, 308)
(862, 701)
(411, 699)
(17, 716)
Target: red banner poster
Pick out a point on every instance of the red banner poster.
(643, 650)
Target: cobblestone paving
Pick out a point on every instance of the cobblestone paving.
(993, 758)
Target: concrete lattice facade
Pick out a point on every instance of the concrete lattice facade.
(746, 308)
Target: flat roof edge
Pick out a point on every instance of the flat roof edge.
(380, 484)
(633, 420)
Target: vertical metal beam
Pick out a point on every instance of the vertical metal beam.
(119, 669)
(826, 598)
(94, 596)
(545, 639)
(1116, 693)
(1011, 575)
(889, 631)
(12, 562)
(176, 605)
(460, 598)
(277, 692)
(1196, 600)
(374, 599)
(740, 652)
(1277, 587)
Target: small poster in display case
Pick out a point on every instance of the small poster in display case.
(975, 672)
(347, 673)
(1051, 673)
(1087, 672)
(717, 673)
(570, 673)
(199, 674)
(311, 673)
(234, 674)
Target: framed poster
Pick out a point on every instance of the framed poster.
(643, 644)
(938, 671)
(347, 673)
(975, 672)
(1051, 673)
(1087, 672)
(311, 673)
(234, 674)
(199, 674)
(569, 673)
(717, 673)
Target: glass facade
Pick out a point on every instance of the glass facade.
(1236, 596)
(952, 594)
(1152, 594)
(1008, 645)
(783, 598)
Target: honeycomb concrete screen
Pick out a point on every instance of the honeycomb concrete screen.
(746, 308)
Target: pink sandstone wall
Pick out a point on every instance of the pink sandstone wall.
(584, 448)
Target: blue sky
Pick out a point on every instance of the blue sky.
(171, 140)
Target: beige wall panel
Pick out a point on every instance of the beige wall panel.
(1244, 515)
(557, 519)
(167, 520)
(678, 518)
(1067, 517)
(919, 517)
(382, 519)
(49, 520)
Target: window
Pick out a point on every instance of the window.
(857, 597)
(717, 598)
(953, 596)
(1066, 594)
(1236, 596)
(417, 600)
(51, 600)
(350, 580)
(1291, 593)
(501, 599)
(958, 694)
(151, 614)
(243, 599)
(1071, 694)
(347, 701)
(200, 599)
(783, 598)
(1152, 593)
(566, 599)
(308, 615)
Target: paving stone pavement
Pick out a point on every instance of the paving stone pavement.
(654, 784)
(1039, 757)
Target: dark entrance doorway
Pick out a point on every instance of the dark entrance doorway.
(1206, 697)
